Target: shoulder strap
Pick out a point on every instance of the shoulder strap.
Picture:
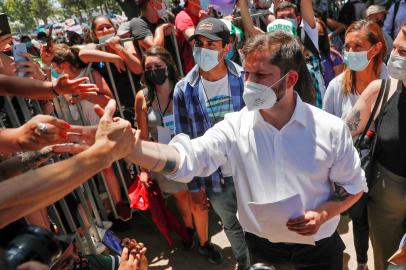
(308, 43)
(380, 117)
(384, 85)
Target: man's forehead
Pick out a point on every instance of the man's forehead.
(258, 61)
(205, 39)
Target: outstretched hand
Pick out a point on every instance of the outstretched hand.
(64, 85)
(41, 131)
(114, 136)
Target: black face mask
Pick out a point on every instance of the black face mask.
(156, 76)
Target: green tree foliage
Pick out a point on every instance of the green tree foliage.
(20, 10)
(42, 9)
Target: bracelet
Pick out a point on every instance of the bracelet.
(54, 90)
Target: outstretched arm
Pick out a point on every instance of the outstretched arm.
(30, 88)
(113, 140)
(307, 12)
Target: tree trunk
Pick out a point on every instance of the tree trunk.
(129, 7)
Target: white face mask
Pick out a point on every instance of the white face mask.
(162, 11)
(397, 67)
(258, 96)
(206, 59)
(357, 61)
(103, 39)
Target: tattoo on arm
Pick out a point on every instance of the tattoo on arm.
(354, 120)
(340, 194)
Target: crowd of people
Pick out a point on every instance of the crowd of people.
(217, 111)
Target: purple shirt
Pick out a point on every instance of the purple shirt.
(328, 65)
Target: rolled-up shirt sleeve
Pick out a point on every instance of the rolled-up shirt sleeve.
(346, 170)
(204, 155)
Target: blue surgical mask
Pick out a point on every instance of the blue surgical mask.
(357, 61)
(204, 4)
(206, 59)
(28, 44)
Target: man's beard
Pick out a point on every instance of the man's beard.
(280, 90)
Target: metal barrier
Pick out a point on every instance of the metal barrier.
(20, 110)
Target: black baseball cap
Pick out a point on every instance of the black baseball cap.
(213, 29)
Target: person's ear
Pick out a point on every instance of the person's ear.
(291, 79)
(377, 49)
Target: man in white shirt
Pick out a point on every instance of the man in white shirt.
(278, 146)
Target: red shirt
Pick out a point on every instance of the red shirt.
(183, 21)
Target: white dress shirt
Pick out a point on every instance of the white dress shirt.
(310, 152)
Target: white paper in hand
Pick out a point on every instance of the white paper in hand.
(272, 219)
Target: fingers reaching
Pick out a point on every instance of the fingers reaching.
(109, 111)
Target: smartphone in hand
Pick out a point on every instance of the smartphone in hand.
(17, 49)
(4, 25)
(49, 40)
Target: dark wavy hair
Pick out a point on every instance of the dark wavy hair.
(173, 75)
(286, 53)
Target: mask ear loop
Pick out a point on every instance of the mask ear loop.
(369, 61)
(277, 82)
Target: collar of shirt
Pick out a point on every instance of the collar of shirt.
(299, 115)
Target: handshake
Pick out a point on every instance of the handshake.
(113, 138)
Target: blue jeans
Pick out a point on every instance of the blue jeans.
(225, 205)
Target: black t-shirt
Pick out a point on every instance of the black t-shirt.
(141, 28)
(123, 85)
(391, 142)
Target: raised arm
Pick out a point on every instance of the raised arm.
(336, 26)
(307, 12)
(159, 37)
(249, 27)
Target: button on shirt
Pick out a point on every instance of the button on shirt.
(310, 152)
